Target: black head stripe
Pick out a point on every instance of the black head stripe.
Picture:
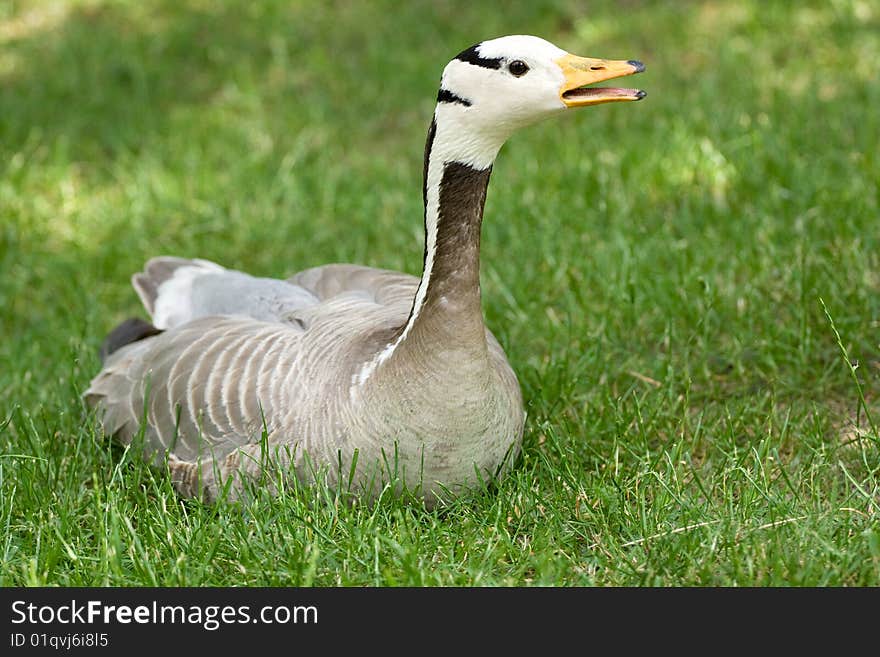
(446, 96)
(472, 57)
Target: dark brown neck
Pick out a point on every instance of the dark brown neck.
(455, 273)
(446, 310)
(447, 330)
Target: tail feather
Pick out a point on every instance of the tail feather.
(131, 330)
(160, 269)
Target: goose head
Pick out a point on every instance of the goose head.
(498, 86)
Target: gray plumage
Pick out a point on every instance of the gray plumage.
(283, 360)
(342, 365)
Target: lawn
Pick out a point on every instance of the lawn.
(688, 287)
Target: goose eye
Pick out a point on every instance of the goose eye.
(518, 68)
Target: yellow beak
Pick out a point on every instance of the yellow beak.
(581, 71)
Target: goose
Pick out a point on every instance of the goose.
(372, 377)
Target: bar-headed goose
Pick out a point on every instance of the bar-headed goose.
(361, 372)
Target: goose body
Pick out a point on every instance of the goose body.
(367, 374)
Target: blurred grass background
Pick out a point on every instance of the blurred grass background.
(654, 272)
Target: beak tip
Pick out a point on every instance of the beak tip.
(637, 65)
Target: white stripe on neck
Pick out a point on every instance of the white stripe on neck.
(458, 138)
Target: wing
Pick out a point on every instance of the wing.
(232, 347)
(177, 290)
(382, 286)
(197, 386)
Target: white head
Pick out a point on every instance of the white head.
(496, 87)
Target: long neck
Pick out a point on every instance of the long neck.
(446, 316)
(448, 296)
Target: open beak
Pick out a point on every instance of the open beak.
(582, 71)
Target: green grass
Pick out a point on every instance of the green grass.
(656, 273)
